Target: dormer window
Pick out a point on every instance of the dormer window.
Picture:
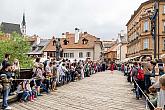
(65, 42)
(85, 41)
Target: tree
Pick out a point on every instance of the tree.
(18, 47)
(1, 33)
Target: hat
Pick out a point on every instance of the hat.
(41, 65)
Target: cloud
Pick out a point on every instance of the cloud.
(103, 18)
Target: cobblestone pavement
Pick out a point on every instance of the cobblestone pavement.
(101, 91)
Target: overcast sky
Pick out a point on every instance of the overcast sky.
(47, 18)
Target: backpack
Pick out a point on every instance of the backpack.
(140, 75)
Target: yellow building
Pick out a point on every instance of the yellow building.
(140, 41)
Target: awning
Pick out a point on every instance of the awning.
(125, 60)
(134, 57)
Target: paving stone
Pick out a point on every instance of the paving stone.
(101, 91)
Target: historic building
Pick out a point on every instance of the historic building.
(9, 28)
(81, 46)
(38, 46)
(121, 46)
(140, 41)
(77, 46)
(111, 53)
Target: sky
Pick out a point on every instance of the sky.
(47, 18)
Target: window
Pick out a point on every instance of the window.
(71, 55)
(164, 9)
(146, 43)
(65, 42)
(80, 55)
(146, 26)
(68, 55)
(85, 41)
(164, 44)
(164, 26)
(88, 54)
(51, 54)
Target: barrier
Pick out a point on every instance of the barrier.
(146, 97)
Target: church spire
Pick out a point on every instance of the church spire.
(23, 28)
(23, 21)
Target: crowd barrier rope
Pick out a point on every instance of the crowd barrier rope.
(146, 97)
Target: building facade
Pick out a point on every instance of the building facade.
(140, 41)
(86, 46)
(111, 53)
(79, 47)
(121, 46)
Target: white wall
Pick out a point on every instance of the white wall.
(76, 53)
(97, 52)
(123, 51)
(45, 54)
(118, 51)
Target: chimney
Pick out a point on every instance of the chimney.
(76, 35)
(38, 40)
(63, 35)
(85, 33)
(67, 33)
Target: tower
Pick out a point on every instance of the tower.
(23, 28)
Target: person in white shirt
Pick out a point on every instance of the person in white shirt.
(62, 70)
(48, 74)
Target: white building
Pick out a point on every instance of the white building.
(122, 46)
(77, 46)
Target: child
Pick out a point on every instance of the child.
(153, 98)
(22, 94)
(29, 91)
(34, 88)
(20, 91)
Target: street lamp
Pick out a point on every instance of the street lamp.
(154, 27)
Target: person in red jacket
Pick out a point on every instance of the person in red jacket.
(112, 66)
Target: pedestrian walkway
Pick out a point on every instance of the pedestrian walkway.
(101, 91)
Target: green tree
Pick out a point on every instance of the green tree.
(1, 33)
(18, 47)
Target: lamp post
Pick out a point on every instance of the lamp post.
(154, 27)
(158, 31)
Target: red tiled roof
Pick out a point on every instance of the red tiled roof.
(70, 37)
(50, 46)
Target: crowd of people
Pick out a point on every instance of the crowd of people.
(148, 79)
(46, 77)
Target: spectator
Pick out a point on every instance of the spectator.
(40, 78)
(48, 75)
(54, 77)
(5, 61)
(6, 80)
(36, 65)
(134, 74)
(16, 74)
(161, 96)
